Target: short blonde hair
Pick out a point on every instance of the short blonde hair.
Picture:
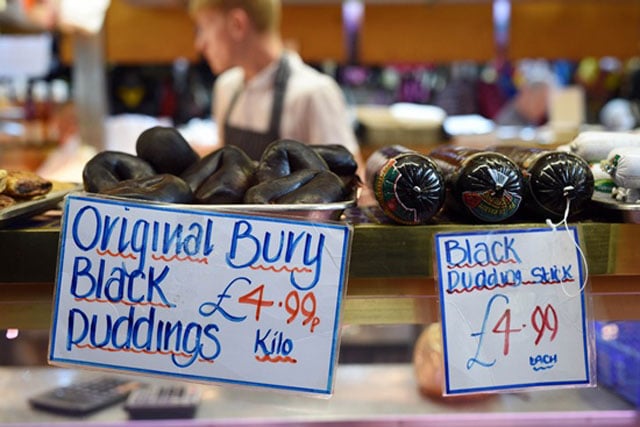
(265, 14)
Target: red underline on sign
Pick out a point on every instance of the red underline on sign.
(283, 268)
(115, 254)
(549, 282)
(506, 285)
(179, 258)
(482, 264)
(277, 359)
(481, 288)
(142, 303)
(133, 350)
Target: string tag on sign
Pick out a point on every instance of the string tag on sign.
(564, 222)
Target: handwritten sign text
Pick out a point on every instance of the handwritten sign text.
(199, 295)
(513, 310)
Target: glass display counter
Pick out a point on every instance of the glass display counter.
(391, 282)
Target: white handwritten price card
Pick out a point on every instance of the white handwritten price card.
(199, 296)
(512, 309)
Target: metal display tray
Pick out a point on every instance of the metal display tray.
(316, 212)
(25, 209)
(627, 212)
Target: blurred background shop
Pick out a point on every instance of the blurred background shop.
(77, 77)
(413, 72)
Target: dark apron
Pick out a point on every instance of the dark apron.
(252, 142)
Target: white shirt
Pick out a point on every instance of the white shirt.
(314, 109)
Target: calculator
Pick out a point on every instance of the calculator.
(163, 402)
(84, 397)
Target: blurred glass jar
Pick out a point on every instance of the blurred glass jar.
(619, 115)
(428, 363)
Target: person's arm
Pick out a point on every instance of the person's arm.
(327, 118)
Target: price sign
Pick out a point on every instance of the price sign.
(513, 310)
(199, 295)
